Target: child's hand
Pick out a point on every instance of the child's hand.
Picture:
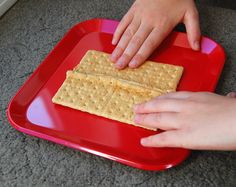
(191, 120)
(146, 24)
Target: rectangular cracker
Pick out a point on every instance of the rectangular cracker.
(155, 76)
(102, 95)
(95, 86)
(85, 93)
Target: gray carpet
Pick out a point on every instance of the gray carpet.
(230, 4)
(27, 33)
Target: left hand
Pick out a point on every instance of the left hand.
(194, 120)
(147, 24)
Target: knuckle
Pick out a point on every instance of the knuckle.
(190, 105)
(136, 40)
(126, 17)
(159, 117)
(149, 23)
(126, 56)
(129, 33)
(119, 49)
(162, 22)
(194, 14)
(150, 44)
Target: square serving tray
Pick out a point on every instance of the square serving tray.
(31, 110)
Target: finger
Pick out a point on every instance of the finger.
(126, 20)
(126, 37)
(176, 95)
(153, 40)
(164, 121)
(160, 105)
(116, 54)
(191, 22)
(172, 138)
(135, 43)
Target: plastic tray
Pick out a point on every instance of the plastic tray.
(32, 112)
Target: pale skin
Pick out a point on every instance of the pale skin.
(146, 25)
(194, 120)
(197, 120)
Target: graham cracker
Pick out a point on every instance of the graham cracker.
(97, 87)
(156, 76)
(102, 95)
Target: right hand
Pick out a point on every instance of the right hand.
(193, 120)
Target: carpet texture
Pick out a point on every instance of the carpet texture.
(28, 32)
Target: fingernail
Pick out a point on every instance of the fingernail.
(136, 118)
(119, 63)
(144, 141)
(133, 64)
(196, 45)
(113, 56)
(113, 42)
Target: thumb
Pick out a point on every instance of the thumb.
(191, 21)
(171, 138)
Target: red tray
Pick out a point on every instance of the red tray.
(32, 112)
